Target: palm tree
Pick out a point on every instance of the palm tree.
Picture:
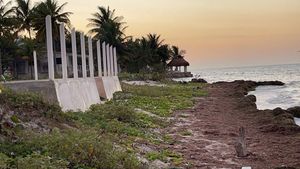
(154, 41)
(52, 8)
(24, 15)
(5, 27)
(5, 17)
(176, 52)
(107, 27)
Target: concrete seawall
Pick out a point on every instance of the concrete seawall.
(44, 88)
(77, 94)
(71, 94)
(107, 86)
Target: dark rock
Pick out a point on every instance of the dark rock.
(285, 119)
(251, 98)
(295, 111)
(198, 80)
(278, 111)
(270, 83)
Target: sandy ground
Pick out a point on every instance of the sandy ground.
(214, 124)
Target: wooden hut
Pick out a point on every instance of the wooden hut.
(176, 63)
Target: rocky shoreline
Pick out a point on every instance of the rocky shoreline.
(272, 139)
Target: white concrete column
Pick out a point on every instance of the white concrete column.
(91, 57)
(99, 59)
(83, 55)
(63, 51)
(74, 53)
(108, 60)
(35, 66)
(115, 61)
(104, 56)
(112, 73)
(49, 47)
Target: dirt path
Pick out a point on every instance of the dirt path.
(206, 134)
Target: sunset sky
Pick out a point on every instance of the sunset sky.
(215, 33)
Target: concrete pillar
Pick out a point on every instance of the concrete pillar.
(185, 68)
(108, 60)
(74, 54)
(91, 58)
(99, 59)
(63, 51)
(49, 47)
(83, 55)
(104, 53)
(35, 66)
(112, 73)
(115, 61)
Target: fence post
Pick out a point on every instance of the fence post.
(115, 61)
(49, 47)
(83, 55)
(91, 57)
(63, 52)
(35, 66)
(111, 61)
(104, 53)
(99, 59)
(74, 54)
(108, 59)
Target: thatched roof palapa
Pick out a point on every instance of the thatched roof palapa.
(178, 61)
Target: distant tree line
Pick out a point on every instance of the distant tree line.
(22, 30)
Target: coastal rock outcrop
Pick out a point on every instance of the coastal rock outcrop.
(198, 80)
(270, 83)
(295, 111)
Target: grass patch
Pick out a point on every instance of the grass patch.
(166, 156)
(75, 148)
(186, 133)
(162, 100)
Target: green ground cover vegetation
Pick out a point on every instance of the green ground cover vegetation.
(102, 137)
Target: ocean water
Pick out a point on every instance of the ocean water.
(268, 97)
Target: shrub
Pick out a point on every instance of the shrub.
(38, 161)
(86, 149)
(4, 161)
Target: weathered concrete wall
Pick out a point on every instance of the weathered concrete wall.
(71, 94)
(45, 88)
(77, 94)
(107, 86)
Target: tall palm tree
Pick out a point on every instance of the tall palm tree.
(24, 15)
(107, 27)
(5, 24)
(154, 41)
(5, 16)
(52, 8)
